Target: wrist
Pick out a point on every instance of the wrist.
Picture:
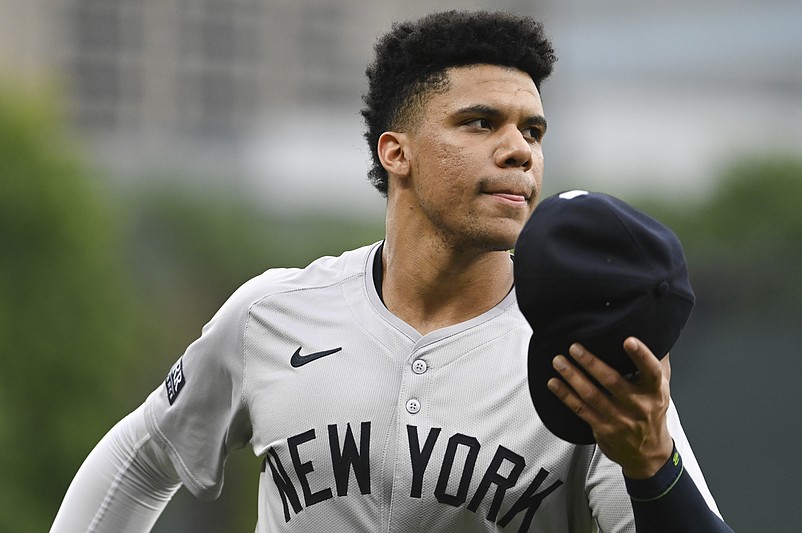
(648, 465)
(655, 487)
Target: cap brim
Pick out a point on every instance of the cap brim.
(557, 418)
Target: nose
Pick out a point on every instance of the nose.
(513, 150)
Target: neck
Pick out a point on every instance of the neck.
(431, 285)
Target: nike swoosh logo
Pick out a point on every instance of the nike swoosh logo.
(300, 360)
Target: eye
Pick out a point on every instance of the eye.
(479, 123)
(532, 134)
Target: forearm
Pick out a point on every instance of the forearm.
(670, 502)
(122, 486)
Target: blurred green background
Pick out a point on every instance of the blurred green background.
(105, 280)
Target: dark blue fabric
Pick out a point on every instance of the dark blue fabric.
(670, 502)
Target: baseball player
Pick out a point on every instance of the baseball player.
(386, 389)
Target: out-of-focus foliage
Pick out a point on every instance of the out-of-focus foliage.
(744, 241)
(101, 289)
(67, 313)
(203, 243)
(736, 372)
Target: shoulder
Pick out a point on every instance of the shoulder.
(324, 271)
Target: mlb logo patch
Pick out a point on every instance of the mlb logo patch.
(175, 381)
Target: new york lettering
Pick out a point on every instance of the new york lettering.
(343, 460)
(529, 501)
(347, 457)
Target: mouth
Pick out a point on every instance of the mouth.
(513, 198)
(517, 192)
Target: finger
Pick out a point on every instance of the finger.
(649, 366)
(568, 396)
(604, 374)
(585, 398)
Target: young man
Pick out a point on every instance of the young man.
(386, 389)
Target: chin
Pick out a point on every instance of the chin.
(494, 237)
(500, 243)
(506, 239)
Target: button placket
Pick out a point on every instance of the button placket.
(416, 385)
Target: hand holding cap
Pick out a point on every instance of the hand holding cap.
(592, 269)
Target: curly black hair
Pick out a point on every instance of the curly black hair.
(412, 59)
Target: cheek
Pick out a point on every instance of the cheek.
(446, 156)
(446, 169)
(537, 167)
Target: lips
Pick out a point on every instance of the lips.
(510, 190)
(512, 197)
(509, 193)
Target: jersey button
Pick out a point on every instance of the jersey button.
(419, 366)
(413, 406)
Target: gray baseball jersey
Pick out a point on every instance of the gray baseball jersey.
(363, 424)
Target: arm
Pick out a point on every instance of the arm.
(670, 501)
(122, 486)
(631, 429)
(172, 439)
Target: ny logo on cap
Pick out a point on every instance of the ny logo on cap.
(570, 195)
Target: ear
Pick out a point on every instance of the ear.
(394, 149)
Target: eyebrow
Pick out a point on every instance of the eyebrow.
(489, 111)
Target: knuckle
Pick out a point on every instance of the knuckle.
(560, 391)
(586, 358)
(613, 381)
(579, 409)
(665, 401)
(593, 396)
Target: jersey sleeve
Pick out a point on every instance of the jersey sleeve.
(606, 488)
(198, 415)
(608, 500)
(691, 465)
(122, 486)
(670, 501)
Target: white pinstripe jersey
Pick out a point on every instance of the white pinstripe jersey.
(375, 427)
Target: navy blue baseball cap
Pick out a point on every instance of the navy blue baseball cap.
(592, 269)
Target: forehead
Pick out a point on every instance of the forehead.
(504, 87)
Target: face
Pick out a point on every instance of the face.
(476, 164)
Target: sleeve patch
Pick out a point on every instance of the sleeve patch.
(175, 381)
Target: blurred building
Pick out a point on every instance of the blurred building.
(198, 87)
(267, 93)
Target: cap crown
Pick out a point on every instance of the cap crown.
(591, 268)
